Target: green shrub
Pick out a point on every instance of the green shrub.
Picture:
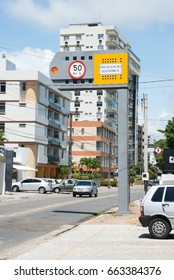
(104, 182)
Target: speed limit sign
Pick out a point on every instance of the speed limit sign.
(77, 69)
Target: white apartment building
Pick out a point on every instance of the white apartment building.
(33, 117)
(102, 104)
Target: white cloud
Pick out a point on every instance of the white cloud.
(32, 59)
(53, 14)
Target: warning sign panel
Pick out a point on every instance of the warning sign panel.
(111, 68)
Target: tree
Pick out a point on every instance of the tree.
(166, 143)
(159, 157)
(2, 137)
(169, 133)
(90, 163)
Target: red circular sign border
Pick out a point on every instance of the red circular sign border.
(82, 74)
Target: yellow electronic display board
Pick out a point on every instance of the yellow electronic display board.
(111, 68)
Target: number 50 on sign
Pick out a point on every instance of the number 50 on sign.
(77, 69)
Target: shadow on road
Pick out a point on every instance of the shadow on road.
(148, 236)
(75, 212)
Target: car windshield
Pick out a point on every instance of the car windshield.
(83, 183)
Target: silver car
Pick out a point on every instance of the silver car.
(65, 186)
(85, 187)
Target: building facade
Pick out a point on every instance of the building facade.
(97, 140)
(33, 117)
(102, 104)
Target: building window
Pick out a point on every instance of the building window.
(66, 57)
(99, 92)
(78, 48)
(90, 57)
(99, 104)
(2, 127)
(100, 36)
(82, 131)
(77, 104)
(2, 108)
(23, 86)
(82, 58)
(74, 57)
(66, 49)
(22, 124)
(2, 88)
(77, 93)
(78, 37)
(82, 146)
(66, 38)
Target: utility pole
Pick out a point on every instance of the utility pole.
(110, 157)
(145, 181)
(70, 147)
(145, 133)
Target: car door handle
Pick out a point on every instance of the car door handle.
(165, 204)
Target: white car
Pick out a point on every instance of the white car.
(32, 184)
(157, 211)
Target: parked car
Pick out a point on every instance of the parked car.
(65, 186)
(157, 211)
(32, 184)
(54, 182)
(85, 187)
(153, 183)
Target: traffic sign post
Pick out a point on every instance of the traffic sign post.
(102, 70)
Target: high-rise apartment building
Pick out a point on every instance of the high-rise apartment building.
(102, 104)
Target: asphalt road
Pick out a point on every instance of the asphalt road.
(34, 215)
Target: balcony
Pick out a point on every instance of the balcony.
(53, 159)
(111, 41)
(53, 141)
(54, 123)
(55, 105)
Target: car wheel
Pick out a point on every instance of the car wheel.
(15, 189)
(57, 190)
(90, 195)
(74, 195)
(159, 228)
(42, 190)
(96, 194)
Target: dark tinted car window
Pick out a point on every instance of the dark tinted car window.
(157, 197)
(36, 181)
(27, 181)
(169, 196)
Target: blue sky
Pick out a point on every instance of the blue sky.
(30, 37)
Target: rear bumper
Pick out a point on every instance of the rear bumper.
(82, 193)
(144, 220)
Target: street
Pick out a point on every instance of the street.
(34, 216)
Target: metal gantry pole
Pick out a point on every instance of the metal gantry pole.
(70, 147)
(123, 170)
(110, 164)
